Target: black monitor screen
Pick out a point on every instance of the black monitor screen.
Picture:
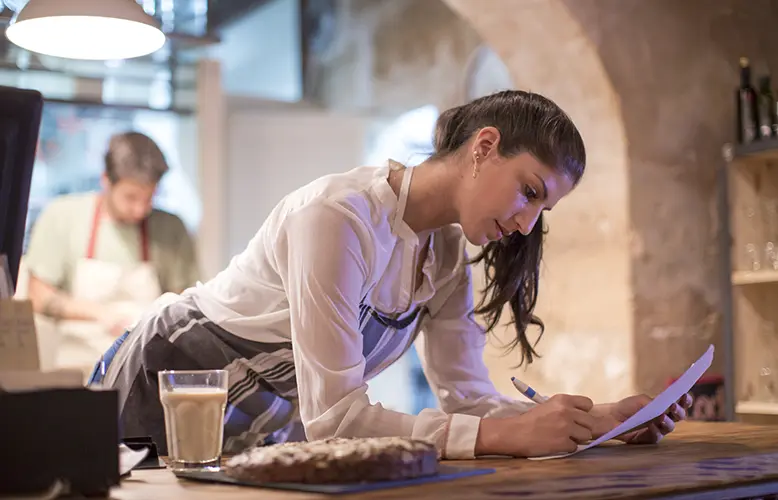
(20, 118)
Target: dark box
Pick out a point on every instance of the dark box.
(70, 435)
(708, 399)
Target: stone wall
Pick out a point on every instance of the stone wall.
(685, 56)
(630, 288)
(585, 297)
(389, 57)
(672, 67)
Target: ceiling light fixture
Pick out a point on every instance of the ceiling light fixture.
(86, 29)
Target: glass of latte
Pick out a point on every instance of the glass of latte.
(194, 403)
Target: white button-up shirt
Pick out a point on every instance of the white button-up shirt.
(324, 250)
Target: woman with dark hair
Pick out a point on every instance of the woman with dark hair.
(347, 271)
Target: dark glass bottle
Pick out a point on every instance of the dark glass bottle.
(768, 122)
(747, 113)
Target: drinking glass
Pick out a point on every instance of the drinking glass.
(194, 403)
(767, 388)
(771, 256)
(753, 260)
(771, 232)
(754, 248)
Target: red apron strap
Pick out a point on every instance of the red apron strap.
(90, 249)
(144, 234)
(144, 240)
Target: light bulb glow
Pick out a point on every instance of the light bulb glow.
(86, 37)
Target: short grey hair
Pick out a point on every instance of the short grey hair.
(134, 156)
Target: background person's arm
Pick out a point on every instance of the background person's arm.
(48, 260)
(50, 301)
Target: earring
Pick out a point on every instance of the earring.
(475, 164)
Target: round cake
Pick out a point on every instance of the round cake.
(336, 461)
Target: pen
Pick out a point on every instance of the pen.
(528, 391)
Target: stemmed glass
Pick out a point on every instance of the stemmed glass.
(770, 208)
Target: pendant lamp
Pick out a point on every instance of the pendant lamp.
(86, 29)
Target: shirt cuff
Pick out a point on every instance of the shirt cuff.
(461, 437)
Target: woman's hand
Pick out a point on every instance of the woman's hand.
(557, 426)
(611, 415)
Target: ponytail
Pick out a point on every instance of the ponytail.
(527, 123)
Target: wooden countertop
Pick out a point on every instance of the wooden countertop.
(696, 458)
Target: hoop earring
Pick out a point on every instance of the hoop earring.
(475, 164)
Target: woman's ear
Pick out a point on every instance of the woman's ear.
(486, 141)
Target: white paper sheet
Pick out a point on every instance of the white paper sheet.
(655, 408)
(6, 283)
(129, 458)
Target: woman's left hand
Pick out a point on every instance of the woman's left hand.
(612, 415)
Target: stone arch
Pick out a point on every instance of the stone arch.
(485, 73)
(585, 297)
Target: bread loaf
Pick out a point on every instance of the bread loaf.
(336, 461)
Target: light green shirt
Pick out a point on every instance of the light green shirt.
(60, 237)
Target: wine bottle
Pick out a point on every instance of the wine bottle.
(768, 122)
(747, 114)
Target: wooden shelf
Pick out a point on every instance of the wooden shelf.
(765, 149)
(754, 277)
(757, 408)
(752, 204)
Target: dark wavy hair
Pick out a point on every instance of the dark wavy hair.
(527, 123)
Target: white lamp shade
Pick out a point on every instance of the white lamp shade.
(86, 29)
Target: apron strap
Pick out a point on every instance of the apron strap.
(144, 234)
(144, 240)
(90, 249)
